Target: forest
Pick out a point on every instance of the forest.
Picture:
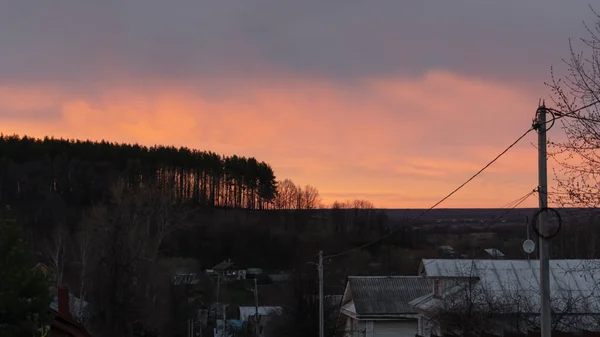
(114, 221)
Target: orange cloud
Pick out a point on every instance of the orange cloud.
(405, 142)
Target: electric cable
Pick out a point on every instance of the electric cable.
(516, 204)
(559, 114)
(507, 205)
(437, 203)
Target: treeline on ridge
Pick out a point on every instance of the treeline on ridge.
(83, 171)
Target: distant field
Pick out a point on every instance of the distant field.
(478, 214)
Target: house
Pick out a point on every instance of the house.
(62, 323)
(509, 290)
(447, 251)
(279, 277)
(376, 306)
(185, 279)
(80, 309)
(228, 271)
(494, 253)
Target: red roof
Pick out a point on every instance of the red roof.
(63, 323)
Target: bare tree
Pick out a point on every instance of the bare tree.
(469, 306)
(308, 197)
(128, 231)
(577, 97)
(55, 248)
(292, 196)
(353, 217)
(287, 195)
(83, 242)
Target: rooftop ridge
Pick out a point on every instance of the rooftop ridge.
(520, 260)
(388, 276)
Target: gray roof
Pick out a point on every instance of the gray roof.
(185, 278)
(569, 279)
(377, 295)
(227, 264)
(494, 252)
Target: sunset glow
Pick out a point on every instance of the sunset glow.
(396, 138)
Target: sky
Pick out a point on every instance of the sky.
(396, 102)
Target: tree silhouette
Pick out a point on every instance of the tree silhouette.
(24, 291)
(38, 176)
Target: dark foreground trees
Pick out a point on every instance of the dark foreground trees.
(24, 291)
(123, 278)
(301, 310)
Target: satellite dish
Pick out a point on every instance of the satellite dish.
(528, 246)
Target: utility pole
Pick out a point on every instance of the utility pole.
(217, 309)
(224, 330)
(542, 222)
(256, 307)
(321, 311)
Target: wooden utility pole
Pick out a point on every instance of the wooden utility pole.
(544, 257)
(256, 319)
(321, 297)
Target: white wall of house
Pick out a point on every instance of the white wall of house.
(394, 328)
(356, 328)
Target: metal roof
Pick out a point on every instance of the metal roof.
(246, 312)
(569, 279)
(385, 295)
(224, 265)
(187, 278)
(494, 252)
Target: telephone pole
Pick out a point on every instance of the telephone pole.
(542, 222)
(321, 311)
(256, 320)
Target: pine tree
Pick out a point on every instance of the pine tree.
(24, 292)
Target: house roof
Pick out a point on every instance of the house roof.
(224, 265)
(569, 279)
(386, 295)
(494, 252)
(187, 278)
(63, 323)
(246, 312)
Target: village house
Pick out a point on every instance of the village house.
(228, 271)
(65, 310)
(509, 289)
(376, 306)
(63, 324)
(401, 306)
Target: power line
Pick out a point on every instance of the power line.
(559, 114)
(519, 200)
(439, 202)
(514, 204)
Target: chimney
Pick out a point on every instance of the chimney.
(63, 301)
